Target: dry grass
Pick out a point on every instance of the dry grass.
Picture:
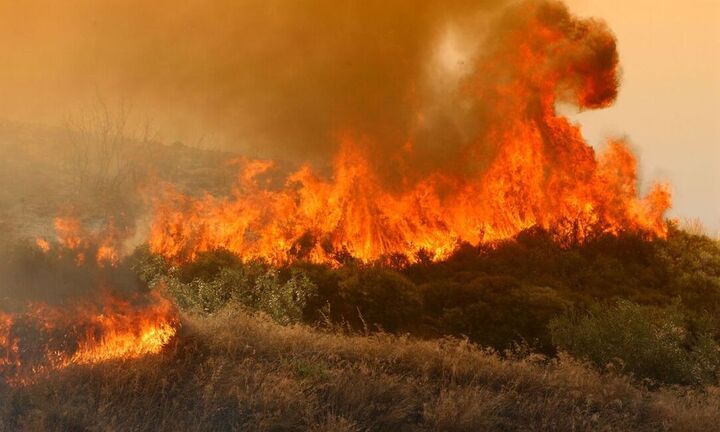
(235, 372)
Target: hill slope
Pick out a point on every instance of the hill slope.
(237, 372)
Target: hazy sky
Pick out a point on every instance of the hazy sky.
(668, 102)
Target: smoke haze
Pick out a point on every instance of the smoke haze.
(270, 78)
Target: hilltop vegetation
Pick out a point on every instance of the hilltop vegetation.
(615, 333)
(649, 308)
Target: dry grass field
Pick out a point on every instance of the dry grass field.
(233, 371)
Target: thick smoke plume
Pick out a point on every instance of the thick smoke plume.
(273, 78)
(491, 159)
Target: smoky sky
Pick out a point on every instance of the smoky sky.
(270, 78)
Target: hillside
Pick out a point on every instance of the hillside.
(237, 372)
(615, 334)
(48, 172)
(607, 332)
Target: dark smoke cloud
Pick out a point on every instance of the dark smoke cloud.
(274, 77)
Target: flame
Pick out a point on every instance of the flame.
(42, 244)
(73, 236)
(541, 170)
(44, 338)
(69, 231)
(41, 338)
(125, 331)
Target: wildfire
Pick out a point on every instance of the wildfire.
(541, 170)
(72, 236)
(41, 337)
(44, 338)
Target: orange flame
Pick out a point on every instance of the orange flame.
(72, 236)
(82, 334)
(42, 338)
(542, 172)
(42, 244)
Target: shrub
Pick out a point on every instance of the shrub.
(651, 342)
(209, 295)
(208, 265)
(504, 313)
(284, 302)
(383, 297)
(253, 285)
(149, 267)
(495, 294)
(215, 278)
(692, 265)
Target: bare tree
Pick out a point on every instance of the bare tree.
(104, 154)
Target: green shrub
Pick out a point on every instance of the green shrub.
(381, 297)
(218, 277)
(504, 312)
(285, 301)
(692, 266)
(661, 344)
(209, 295)
(149, 267)
(208, 265)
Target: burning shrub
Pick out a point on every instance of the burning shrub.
(661, 344)
(67, 304)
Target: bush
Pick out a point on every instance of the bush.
(504, 312)
(216, 278)
(381, 296)
(651, 342)
(211, 294)
(284, 302)
(149, 268)
(496, 294)
(692, 264)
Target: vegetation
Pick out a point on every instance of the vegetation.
(648, 308)
(617, 333)
(231, 371)
(662, 344)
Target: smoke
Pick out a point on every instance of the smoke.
(272, 78)
(477, 154)
(454, 101)
(27, 274)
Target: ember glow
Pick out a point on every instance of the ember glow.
(528, 166)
